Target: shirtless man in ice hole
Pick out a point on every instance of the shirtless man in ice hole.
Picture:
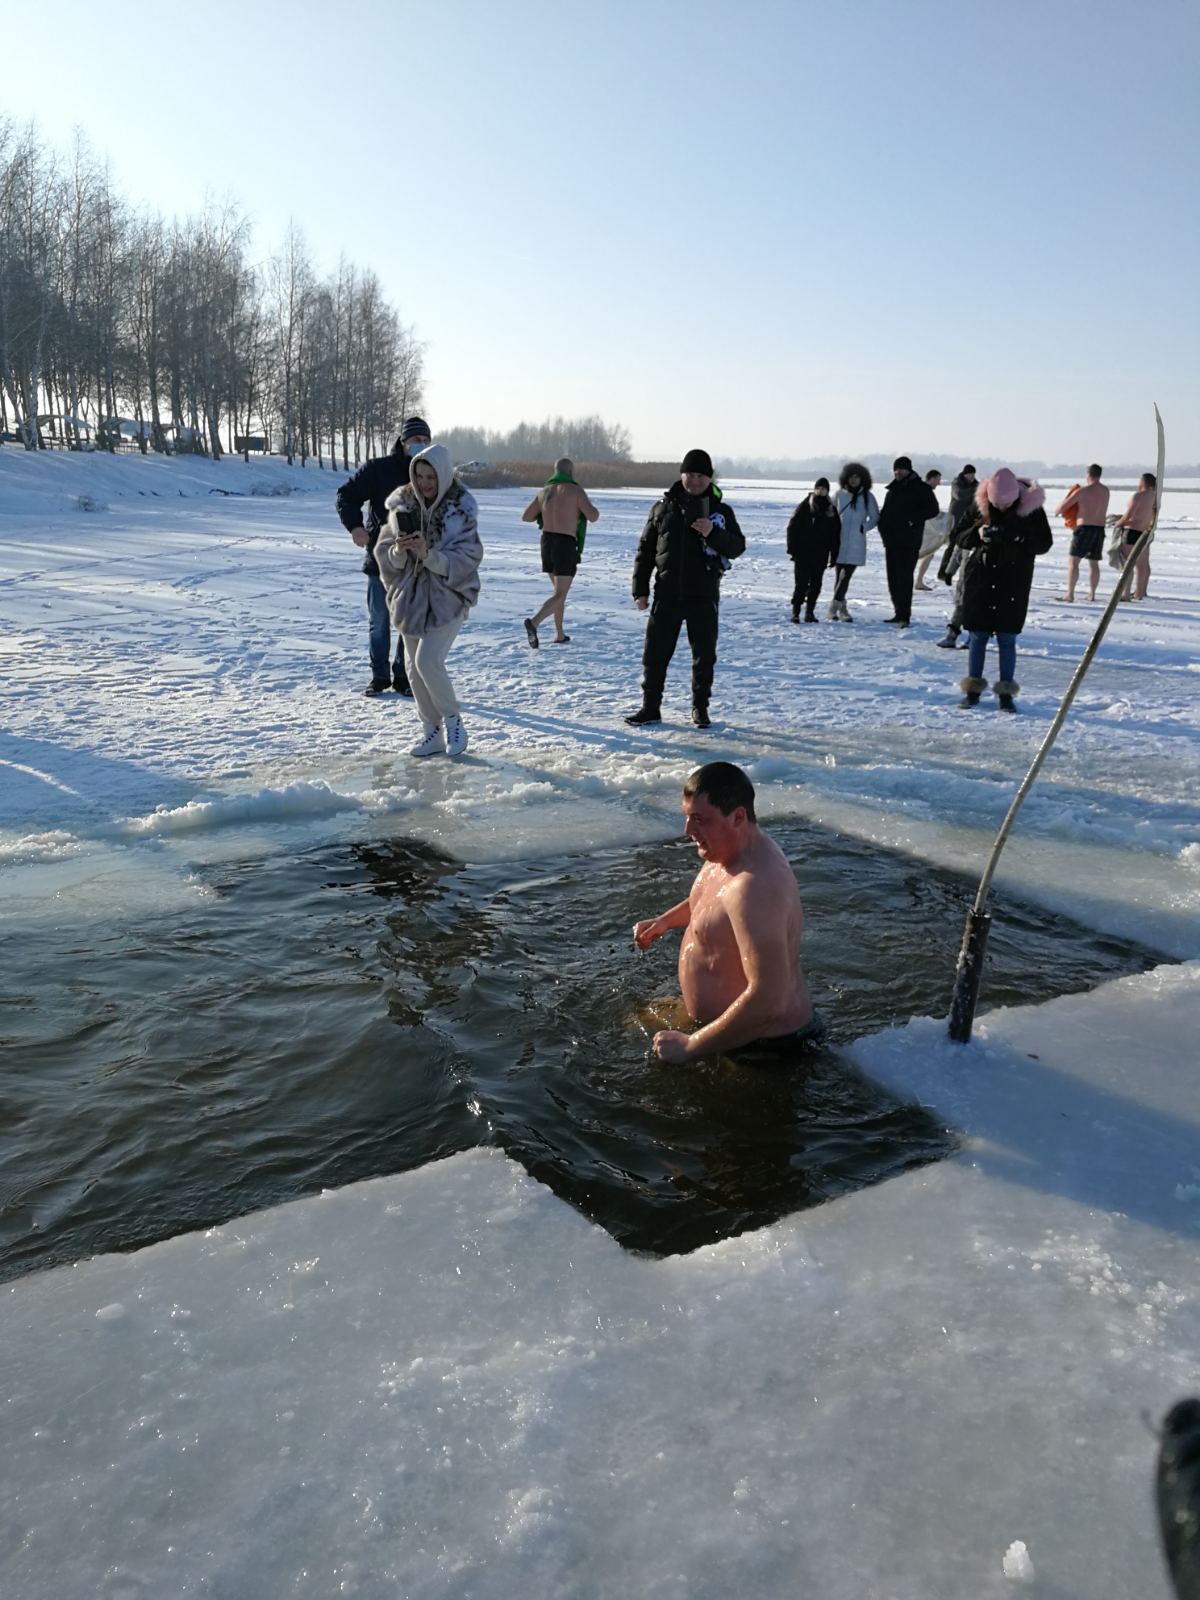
(739, 960)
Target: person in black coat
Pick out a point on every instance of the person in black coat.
(370, 486)
(690, 537)
(907, 507)
(1009, 531)
(814, 534)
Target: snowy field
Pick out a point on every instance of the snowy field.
(448, 1383)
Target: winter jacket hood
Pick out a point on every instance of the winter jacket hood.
(855, 469)
(1004, 489)
(437, 457)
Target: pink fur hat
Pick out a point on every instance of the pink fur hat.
(1004, 489)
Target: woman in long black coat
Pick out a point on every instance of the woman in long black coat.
(1009, 531)
(813, 535)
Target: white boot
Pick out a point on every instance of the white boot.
(456, 736)
(432, 744)
(832, 613)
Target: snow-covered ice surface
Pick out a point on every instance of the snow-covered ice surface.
(448, 1383)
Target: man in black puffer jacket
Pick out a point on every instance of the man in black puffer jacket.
(907, 507)
(690, 537)
(370, 486)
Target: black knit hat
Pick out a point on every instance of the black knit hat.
(415, 428)
(821, 483)
(697, 461)
(902, 461)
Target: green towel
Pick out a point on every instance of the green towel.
(581, 524)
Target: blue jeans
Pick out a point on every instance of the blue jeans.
(1006, 645)
(382, 670)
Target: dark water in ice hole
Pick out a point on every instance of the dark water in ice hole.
(364, 1009)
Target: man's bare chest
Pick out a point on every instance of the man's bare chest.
(710, 926)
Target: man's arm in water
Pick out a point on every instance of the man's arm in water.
(762, 945)
(645, 933)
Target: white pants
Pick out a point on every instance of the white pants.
(425, 657)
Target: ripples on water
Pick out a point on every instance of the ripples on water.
(360, 1011)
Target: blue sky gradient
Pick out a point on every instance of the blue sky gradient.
(772, 229)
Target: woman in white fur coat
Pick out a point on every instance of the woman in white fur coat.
(859, 512)
(428, 558)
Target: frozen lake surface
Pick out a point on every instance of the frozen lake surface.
(447, 1382)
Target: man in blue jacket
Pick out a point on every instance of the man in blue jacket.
(370, 486)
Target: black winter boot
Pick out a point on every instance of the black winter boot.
(950, 642)
(1005, 692)
(700, 716)
(972, 688)
(642, 715)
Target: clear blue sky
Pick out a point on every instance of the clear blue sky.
(771, 229)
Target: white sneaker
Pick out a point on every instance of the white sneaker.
(432, 744)
(456, 736)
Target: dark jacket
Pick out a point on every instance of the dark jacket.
(814, 533)
(370, 486)
(962, 502)
(999, 570)
(907, 507)
(962, 514)
(683, 562)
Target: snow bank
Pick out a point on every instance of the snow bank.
(50, 482)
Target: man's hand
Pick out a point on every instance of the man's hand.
(360, 536)
(671, 1046)
(703, 526)
(641, 601)
(646, 931)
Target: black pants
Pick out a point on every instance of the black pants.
(844, 574)
(806, 590)
(903, 554)
(667, 616)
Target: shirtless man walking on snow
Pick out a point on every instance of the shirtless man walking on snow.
(739, 961)
(560, 509)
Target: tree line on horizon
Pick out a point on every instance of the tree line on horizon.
(582, 438)
(117, 326)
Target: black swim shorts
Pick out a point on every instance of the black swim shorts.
(784, 1048)
(1087, 542)
(560, 554)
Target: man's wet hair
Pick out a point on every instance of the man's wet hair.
(1094, 470)
(725, 786)
(1149, 480)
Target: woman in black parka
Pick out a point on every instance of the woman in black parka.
(1010, 529)
(813, 536)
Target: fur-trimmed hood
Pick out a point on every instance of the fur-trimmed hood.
(1004, 490)
(854, 469)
